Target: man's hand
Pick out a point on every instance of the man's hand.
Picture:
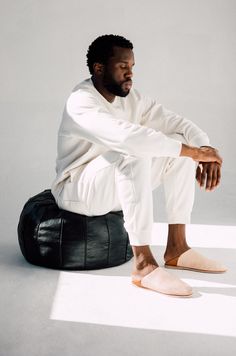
(202, 154)
(208, 174)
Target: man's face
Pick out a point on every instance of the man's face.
(118, 72)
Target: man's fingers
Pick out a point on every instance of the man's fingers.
(203, 175)
(218, 175)
(198, 174)
(214, 178)
(209, 177)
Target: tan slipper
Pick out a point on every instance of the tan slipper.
(194, 261)
(163, 282)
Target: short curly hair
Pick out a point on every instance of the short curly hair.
(101, 49)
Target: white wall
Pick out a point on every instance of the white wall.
(185, 55)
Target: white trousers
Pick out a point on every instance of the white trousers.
(114, 181)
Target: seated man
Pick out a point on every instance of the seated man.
(115, 146)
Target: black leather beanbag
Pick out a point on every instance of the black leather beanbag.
(56, 238)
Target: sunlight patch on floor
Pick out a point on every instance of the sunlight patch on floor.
(85, 297)
(113, 300)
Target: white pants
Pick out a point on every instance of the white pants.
(114, 181)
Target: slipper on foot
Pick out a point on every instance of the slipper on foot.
(194, 261)
(163, 282)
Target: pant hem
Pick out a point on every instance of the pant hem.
(179, 220)
(141, 238)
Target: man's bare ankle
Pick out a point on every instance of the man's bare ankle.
(139, 271)
(175, 251)
(145, 264)
(143, 256)
(144, 261)
(142, 250)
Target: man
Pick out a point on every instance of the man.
(115, 146)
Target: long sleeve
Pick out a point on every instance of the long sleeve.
(159, 118)
(97, 125)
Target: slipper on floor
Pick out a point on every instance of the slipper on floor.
(163, 282)
(194, 261)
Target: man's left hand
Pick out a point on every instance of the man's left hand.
(208, 175)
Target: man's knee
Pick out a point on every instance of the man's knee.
(119, 157)
(187, 166)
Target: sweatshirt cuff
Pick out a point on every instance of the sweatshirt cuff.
(173, 147)
(200, 140)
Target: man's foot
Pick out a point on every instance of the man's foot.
(147, 274)
(163, 282)
(144, 261)
(194, 261)
(139, 273)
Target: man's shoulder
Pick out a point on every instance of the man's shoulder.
(84, 85)
(82, 95)
(82, 92)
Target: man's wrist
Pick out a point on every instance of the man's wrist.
(189, 151)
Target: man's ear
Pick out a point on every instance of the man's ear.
(98, 68)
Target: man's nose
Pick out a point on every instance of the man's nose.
(129, 73)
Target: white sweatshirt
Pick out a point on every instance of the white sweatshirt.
(135, 125)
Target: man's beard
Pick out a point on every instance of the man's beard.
(112, 86)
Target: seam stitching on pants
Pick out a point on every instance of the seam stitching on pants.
(132, 181)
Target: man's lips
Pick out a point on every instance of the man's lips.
(128, 84)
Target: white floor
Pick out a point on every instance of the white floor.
(112, 300)
(47, 312)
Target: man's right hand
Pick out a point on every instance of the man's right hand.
(202, 154)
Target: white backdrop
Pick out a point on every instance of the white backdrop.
(185, 55)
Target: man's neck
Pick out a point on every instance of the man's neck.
(103, 91)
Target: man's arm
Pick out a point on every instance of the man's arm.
(159, 118)
(156, 116)
(94, 123)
